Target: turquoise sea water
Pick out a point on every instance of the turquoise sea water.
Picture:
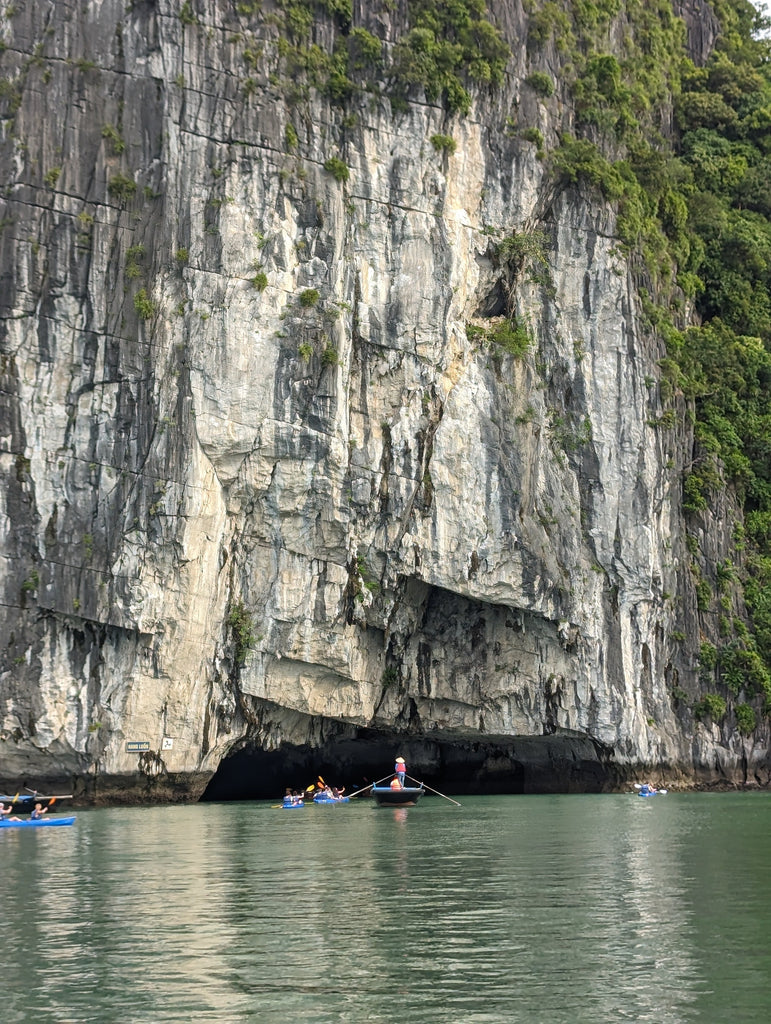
(540, 910)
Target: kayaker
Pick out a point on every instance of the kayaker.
(7, 810)
(401, 770)
(38, 812)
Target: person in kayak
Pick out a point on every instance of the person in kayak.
(38, 812)
(7, 811)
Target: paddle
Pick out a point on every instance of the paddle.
(370, 786)
(319, 784)
(423, 784)
(12, 804)
(36, 795)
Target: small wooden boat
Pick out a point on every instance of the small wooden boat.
(406, 796)
(44, 822)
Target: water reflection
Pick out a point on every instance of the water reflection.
(561, 910)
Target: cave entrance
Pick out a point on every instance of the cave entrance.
(527, 764)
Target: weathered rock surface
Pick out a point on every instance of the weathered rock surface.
(433, 542)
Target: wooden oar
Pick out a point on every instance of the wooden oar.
(423, 784)
(369, 786)
(39, 796)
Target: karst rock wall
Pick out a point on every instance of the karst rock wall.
(240, 395)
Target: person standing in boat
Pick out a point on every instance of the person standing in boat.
(38, 812)
(401, 770)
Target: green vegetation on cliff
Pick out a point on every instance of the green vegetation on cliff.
(721, 172)
(448, 46)
(695, 215)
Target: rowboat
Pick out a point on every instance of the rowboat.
(44, 822)
(406, 796)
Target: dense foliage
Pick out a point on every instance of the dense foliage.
(723, 171)
(449, 46)
(450, 40)
(695, 210)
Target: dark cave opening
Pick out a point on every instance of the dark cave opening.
(493, 765)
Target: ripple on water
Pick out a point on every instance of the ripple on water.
(562, 910)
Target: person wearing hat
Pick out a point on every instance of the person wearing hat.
(401, 770)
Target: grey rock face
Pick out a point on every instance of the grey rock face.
(262, 484)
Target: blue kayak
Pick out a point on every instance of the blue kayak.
(37, 822)
(292, 806)
(331, 799)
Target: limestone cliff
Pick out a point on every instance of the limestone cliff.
(268, 484)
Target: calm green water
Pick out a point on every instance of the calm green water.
(540, 910)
